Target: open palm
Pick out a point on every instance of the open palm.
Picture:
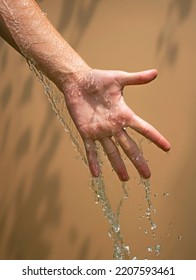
(99, 112)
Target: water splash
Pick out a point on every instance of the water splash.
(56, 98)
(120, 250)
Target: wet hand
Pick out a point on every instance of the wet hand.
(98, 109)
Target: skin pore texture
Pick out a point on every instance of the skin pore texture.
(94, 98)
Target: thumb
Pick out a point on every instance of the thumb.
(136, 78)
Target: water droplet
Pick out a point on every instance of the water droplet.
(153, 234)
(111, 234)
(145, 231)
(179, 237)
(116, 228)
(150, 249)
(166, 194)
(154, 210)
(127, 249)
(97, 199)
(153, 226)
(157, 249)
(147, 212)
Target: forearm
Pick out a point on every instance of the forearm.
(6, 35)
(39, 41)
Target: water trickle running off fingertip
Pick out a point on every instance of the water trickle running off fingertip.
(120, 250)
(150, 209)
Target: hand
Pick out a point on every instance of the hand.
(97, 107)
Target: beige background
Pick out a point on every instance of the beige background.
(47, 209)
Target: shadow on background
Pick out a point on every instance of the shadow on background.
(183, 184)
(25, 239)
(82, 11)
(177, 13)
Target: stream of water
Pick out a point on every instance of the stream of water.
(98, 185)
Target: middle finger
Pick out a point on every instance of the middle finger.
(115, 158)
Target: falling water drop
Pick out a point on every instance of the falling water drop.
(150, 249)
(157, 249)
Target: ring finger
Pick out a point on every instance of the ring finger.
(132, 151)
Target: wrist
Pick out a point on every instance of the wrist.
(69, 77)
(74, 84)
